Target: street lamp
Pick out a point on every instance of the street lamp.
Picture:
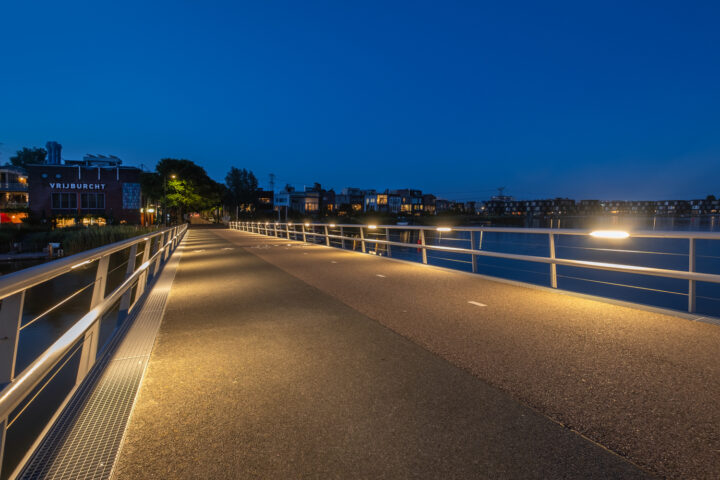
(165, 219)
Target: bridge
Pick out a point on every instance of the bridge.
(322, 351)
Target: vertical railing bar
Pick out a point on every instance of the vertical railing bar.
(362, 240)
(125, 300)
(11, 313)
(90, 342)
(142, 280)
(3, 435)
(553, 266)
(423, 246)
(342, 239)
(388, 249)
(692, 295)
(472, 247)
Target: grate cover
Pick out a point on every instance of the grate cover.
(84, 442)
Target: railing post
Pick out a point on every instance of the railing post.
(327, 236)
(142, 280)
(692, 296)
(422, 243)
(166, 253)
(362, 240)
(303, 233)
(3, 430)
(388, 250)
(472, 246)
(287, 230)
(156, 268)
(553, 266)
(125, 300)
(10, 322)
(90, 342)
(342, 240)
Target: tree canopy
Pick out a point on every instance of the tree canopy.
(184, 186)
(242, 188)
(28, 156)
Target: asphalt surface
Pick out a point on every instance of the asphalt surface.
(257, 373)
(642, 384)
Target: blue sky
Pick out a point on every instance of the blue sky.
(588, 100)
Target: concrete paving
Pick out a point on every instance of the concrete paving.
(644, 385)
(259, 374)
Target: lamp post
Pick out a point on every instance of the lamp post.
(165, 219)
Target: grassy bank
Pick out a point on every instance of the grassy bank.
(72, 240)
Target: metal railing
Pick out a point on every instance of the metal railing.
(380, 235)
(13, 186)
(20, 390)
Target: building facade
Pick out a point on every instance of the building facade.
(13, 195)
(82, 192)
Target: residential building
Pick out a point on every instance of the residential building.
(13, 195)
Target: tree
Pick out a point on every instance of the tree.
(242, 189)
(710, 198)
(191, 189)
(28, 156)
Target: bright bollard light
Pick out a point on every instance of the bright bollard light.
(609, 234)
(444, 229)
(372, 227)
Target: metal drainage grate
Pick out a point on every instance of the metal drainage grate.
(84, 442)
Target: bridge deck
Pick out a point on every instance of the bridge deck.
(277, 360)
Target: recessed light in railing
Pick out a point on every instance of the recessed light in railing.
(372, 227)
(307, 224)
(289, 223)
(609, 234)
(331, 225)
(444, 229)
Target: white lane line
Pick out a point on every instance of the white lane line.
(333, 261)
(477, 303)
(198, 251)
(228, 248)
(380, 275)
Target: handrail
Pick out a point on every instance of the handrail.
(29, 277)
(690, 275)
(86, 329)
(535, 231)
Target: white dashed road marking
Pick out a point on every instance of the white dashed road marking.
(380, 275)
(333, 261)
(477, 303)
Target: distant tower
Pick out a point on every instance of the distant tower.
(53, 153)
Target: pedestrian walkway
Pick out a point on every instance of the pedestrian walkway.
(257, 374)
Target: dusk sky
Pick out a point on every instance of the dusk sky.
(608, 100)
